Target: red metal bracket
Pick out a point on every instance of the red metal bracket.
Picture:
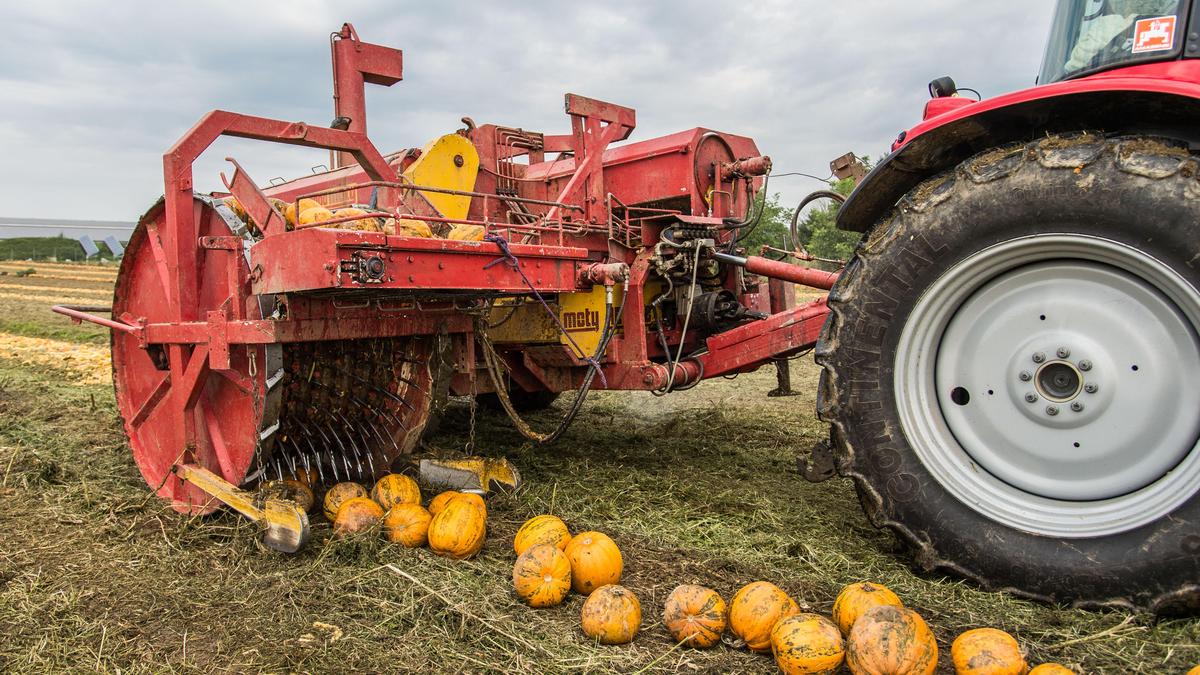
(253, 200)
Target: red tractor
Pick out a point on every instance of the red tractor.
(1009, 360)
(1012, 361)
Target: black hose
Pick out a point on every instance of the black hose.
(819, 194)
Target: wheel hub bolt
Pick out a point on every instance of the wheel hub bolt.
(1039, 357)
(1063, 352)
(1091, 387)
(1025, 376)
(1077, 406)
(1085, 365)
(1052, 410)
(1031, 397)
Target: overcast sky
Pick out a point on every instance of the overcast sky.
(94, 92)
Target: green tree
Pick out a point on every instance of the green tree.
(772, 227)
(816, 231)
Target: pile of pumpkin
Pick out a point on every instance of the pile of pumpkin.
(311, 213)
(871, 630)
(454, 524)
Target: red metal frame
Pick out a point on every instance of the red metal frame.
(191, 324)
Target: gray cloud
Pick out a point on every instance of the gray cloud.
(94, 92)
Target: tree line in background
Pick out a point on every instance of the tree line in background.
(49, 248)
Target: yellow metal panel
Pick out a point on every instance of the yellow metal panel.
(437, 167)
(526, 323)
(582, 314)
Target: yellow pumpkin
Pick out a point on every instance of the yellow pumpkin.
(542, 576)
(369, 224)
(1059, 669)
(858, 598)
(472, 499)
(541, 530)
(987, 651)
(308, 476)
(595, 561)
(407, 524)
(754, 611)
(236, 206)
(291, 213)
(889, 639)
(315, 215)
(356, 515)
(290, 490)
(466, 233)
(439, 502)
(407, 227)
(807, 643)
(395, 488)
(694, 615)
(611, 615)
(338, 494)
(458, 530)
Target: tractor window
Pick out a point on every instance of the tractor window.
(1091, 35)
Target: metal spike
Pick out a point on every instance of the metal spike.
(316, 455)
(332, 454)
(387, 438)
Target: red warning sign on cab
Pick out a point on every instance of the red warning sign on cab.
(1154, 35)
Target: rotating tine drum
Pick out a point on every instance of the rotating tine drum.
(337, 410)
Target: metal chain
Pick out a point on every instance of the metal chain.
(471, 422)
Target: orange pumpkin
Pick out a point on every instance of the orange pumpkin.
(407, 227)
(407, 524)
(858, 598)
(290, 490)
(595, 561)
(394, 489)
(466, 233)
(472, 499)
(542, 530)
(1059, 669)
(315, 215)
(355, 515)
(338, 494)
(611, 615)
(368, 224)
(458, 530)
(542, 576)
(889, 639)
(987, 651)
(291, 213)
(754, 611)
(308, 476)
(439, 502)
(695, 616)
(807, 643)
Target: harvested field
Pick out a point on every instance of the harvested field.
(697, 487)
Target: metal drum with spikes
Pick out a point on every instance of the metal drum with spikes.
(344, 409)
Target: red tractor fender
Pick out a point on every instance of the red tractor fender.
(1158, 99)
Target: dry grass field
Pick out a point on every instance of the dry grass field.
(699, 487)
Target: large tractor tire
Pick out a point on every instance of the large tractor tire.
(1012, 371)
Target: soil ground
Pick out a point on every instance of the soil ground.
(698, 487)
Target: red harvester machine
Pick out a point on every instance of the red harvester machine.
(1010, 360)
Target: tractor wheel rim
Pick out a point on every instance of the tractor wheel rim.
(1079, 424)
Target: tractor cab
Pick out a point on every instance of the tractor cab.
(1089, 36)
